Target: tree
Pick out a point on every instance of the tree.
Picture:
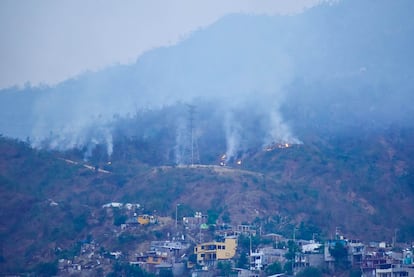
(310, 272)
(355, 273)
(244, 242)
(288, 268)
(166, 273)
(192, 258)
(119, 218)
(292, 249)
(125, 269)
(212, 216)
(307, 231)
(224, 267)
(226, 217)
(340, 254)
(243, 261)
(46, 269)
(80, 222)
(280, 245)
(274, 268)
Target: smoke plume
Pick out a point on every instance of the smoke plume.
(256, 71)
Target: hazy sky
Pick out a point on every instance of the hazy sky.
(47, 41)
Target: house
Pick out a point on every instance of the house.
(153, 257)
(274, 237)
(241, 272)
(382, 263)
(166, 245)
(246, 229)
(356, 250)
(130, 206)
(146, 219)
(394, 271)
(195, 221)
(265, 256)
(256, 260)
(311, 247)
(116, 254)
(113, 205)
(163, 266)
(214, 251)
(172, 248)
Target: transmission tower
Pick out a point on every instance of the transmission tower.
(194, 154)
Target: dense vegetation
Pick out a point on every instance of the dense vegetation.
(363, 185)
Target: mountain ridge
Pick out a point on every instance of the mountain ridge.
(304, 67)
(364, 186)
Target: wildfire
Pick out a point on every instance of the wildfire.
(283, 145)
(223, 160)
(274, 146)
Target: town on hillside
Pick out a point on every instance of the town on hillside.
(195, 246)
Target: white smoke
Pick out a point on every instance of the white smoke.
(87, 133)
(279, 131)
(236, 68)
(181, 141)
(232, 133)
(108, 142)
(228, 62)
(255, 124)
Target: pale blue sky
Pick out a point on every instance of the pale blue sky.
(48, 41)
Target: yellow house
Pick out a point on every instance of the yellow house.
(152, 257)
(146, 219)
(213, 251)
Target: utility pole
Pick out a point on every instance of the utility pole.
(176, 215)
(251, 260)
(394, 239)
(191, 107)
(250, 237)
(294, 250)
(294, 234)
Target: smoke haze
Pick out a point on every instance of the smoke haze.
(269, 79)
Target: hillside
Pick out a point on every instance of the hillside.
(338, 67)
(363, 185)
(310, 114)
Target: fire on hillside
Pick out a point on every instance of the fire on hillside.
(274, 146)
(239, 157)
(224, 161)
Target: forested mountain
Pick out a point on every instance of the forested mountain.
(310, 114)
